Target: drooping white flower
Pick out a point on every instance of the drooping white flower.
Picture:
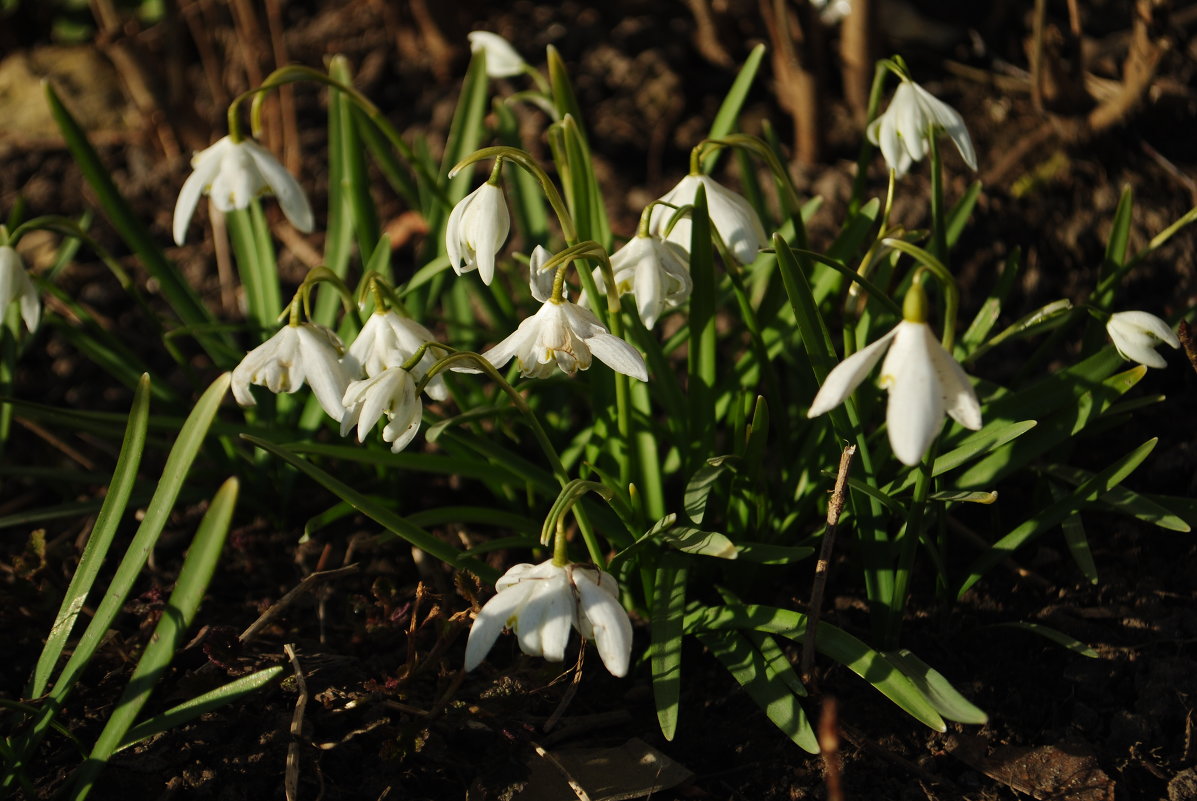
(502, 60)
(233, 174)
(15, 285)
(565, 335)
(388, 340)
(923, 381)
(914, 115)
(391, 392)
(731, 215)
(541, 603)
(477, 229)
(655, 271)
(305, 352)
(1136, 335)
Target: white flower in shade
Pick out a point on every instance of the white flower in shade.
(923, 381)
(1136, 335)
(233, 174)
(391, 392)
(655, 271)
(477, 229)
(565, 335)
(388, 340)
(731, 215)
(300, 353)
(502, 61)
(905, 129)
(15, 285)
(541, 603)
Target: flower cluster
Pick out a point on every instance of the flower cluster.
(542, 604)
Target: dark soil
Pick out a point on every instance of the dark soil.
(388, 714)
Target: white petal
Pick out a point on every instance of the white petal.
(847, 375)
(502, 60)
(455, 245)
(915, 411)
(291, 197)
(951, 122)
(206, 166)
(540, 281)
(491, 621)
(608, 621)
(735, 221)
(322, 368)
(490, 222)
(959, 397)
(517, 343)
(618, 355)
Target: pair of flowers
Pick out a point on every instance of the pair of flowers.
(309, 353)
(925, 383)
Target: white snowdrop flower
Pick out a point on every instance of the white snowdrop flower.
(476, 231)
(542, 603)
(731, 215)
(565, 335)
(502, 61)
(233, 174)
(391, 392)
(1136, 335)
(913, 117)
(305, 352)
(389, 339)
(655, 271)
(15, 285)
(923, 381)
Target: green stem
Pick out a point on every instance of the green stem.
(907, 543)
(939, 240)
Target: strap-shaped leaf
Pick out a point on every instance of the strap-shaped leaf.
(1088, 491)
(665, 653)
(833, 642)
(763, 680)
(946, 699)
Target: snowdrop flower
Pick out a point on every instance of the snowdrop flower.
(388, 340)
(297, 353)
(923, 381)
(731, 215)
(477, 229)
(391, 392)
(1136, 335)
(233, 174)
(913, 116)
(655, 271)
(541, 603)
(15, 285)
(566, 335)
(502, 61)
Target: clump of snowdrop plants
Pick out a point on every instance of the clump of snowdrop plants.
(645, 427)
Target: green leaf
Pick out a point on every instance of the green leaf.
(103, 530)
(1046, 519)
(959, 215)
(832, 642)
(174, 288)
(938, 690)
(1058, 637)
(394, 523)
(1074, 535)
(1127, 501)
(699, 487)
(763, 553)
(763, 681)
(728, 115)
(665, 652)
(701, 543)
(168, 637)
(991, 309)
(200, 705)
